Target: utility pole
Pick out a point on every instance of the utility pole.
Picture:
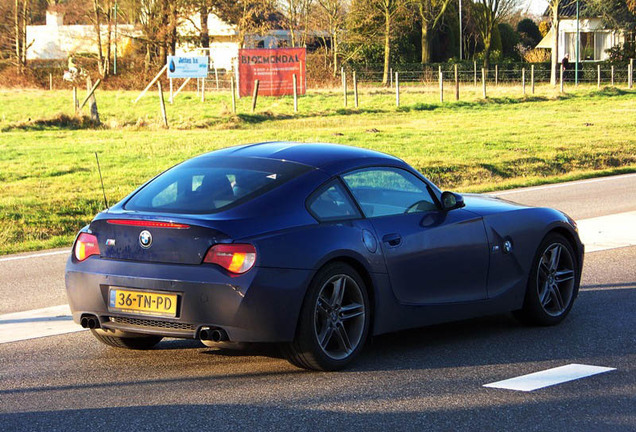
(578, 43)
(461, 34)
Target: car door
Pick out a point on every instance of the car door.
(432, 256)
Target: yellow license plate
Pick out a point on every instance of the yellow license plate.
(141, 302)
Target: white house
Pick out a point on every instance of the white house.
(595, 38)
(54, 40)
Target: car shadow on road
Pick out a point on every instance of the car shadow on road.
(499, 339)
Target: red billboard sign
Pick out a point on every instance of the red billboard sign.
(274, 69)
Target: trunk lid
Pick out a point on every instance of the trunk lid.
(153, 239)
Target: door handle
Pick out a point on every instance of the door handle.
(393, 239)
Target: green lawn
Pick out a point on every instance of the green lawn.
(51, 187)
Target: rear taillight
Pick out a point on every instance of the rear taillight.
(85, 246)
(235, 258)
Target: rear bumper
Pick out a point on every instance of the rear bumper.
(261, 306)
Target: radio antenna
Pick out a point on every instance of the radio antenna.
(102, 180)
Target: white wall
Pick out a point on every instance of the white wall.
(567, 37)
(55, 41)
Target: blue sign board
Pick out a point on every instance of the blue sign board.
(187, 67)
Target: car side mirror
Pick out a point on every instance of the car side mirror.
(451, 200)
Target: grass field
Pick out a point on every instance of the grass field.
(51, 187)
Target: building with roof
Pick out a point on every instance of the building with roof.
(595, 37)
(55, 41)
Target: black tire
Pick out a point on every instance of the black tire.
(332, 331)
(552, 285)
(140, 342)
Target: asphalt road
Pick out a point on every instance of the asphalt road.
(426, 379)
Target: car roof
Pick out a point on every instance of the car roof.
(331, 158)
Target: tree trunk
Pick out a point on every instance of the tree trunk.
(487, 56)
(387, 45)
(98, 31)
(205, 33)
(334, 48)
(487, 48)
(555, 44)
(108, 37)
(18, 36)
(426, 51)
(25, 15)
(147, 59)
(174, 18)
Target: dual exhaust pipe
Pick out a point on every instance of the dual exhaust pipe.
(205, 334)
(213, 334)
(89, 322)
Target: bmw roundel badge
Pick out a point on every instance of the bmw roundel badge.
(145, 239)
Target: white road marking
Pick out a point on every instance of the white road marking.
(37, 323)
(549, 377)
(607, 288)
(560, 185)
(608, 232)
(37, 255)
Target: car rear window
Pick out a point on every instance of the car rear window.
(208, 185)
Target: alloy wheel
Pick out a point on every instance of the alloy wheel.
(339, 317)
(555, 279)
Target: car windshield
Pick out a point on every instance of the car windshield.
(210, 184)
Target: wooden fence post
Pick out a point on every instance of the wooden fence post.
(456, 83)
(612, 75)
(496, 75)
(523, 80)
(233, 90)
(630, 69)
(561, 78)
(397, 89)
(441, 86)
(475, 69)
(483, 81)
(532, 78)
(163, 105)
(294, 81)
(598, 77)
(75, 101)
(344, 87)
(91, 96)
(355, 89)
(255, 95)
(391, 76)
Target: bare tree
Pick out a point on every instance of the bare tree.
(296, 13)
(249, 16)
(388, 9)
(334, 11)
(430, 13)
(20, 18)
(490, 13)
(555, 9)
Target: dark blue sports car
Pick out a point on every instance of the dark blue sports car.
(315, 247)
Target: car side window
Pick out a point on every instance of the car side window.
(331, 202)
(389, 191)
